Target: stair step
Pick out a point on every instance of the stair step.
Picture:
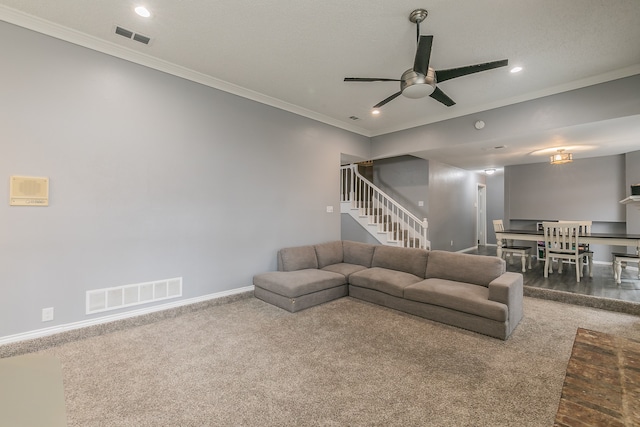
(381, 219)
(393, 226)
(373, 212)
(403, 234)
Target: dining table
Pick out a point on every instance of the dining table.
(611, 239)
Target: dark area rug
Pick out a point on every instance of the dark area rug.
(602, 383)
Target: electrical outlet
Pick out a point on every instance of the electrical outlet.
(47, 314)
(329, 209)
(420, 203)
(452, 243)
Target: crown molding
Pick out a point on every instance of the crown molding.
(48, 28)
(60, 32)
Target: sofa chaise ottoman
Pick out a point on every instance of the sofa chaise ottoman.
(312, 275)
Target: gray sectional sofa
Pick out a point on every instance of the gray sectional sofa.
(473, 292)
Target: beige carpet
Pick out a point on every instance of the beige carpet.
(347, 362)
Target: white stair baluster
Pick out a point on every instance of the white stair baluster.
(370, 205)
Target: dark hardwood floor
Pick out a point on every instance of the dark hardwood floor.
(601, 285)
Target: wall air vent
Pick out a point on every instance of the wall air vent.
(132, 35)
(99, 300)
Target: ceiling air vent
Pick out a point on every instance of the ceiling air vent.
(497, 147)
(142, 39)
(354, 118)
(126, 33)
(131, 35)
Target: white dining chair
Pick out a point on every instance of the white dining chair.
(509, 249)
(585, 230)
(561, 243)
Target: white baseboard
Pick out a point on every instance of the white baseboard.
(38, 333)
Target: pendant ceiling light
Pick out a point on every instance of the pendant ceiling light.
(561, 157)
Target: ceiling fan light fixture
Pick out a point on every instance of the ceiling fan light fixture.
(561, 158)
(417, 91)
(415, 85)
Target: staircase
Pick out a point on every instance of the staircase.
(384, 218)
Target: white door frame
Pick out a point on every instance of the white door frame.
(481, 215)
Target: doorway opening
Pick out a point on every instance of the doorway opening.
(481, 215)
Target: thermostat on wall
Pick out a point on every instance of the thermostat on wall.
(28, 191)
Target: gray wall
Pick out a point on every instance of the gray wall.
(406, 180)
(610, 100)
(152, 177)
(588, 189)
(632, 163)
(449, 194)
(452, 211)
(495, 203)
(352, 230)
(605, 180)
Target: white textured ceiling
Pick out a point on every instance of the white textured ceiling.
(294, 54)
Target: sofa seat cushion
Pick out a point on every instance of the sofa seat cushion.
(464, 297)
(390, 282)
(344, 268)
(293, 284)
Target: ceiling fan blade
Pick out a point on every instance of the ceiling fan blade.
(440, 96)
(423, 53)
(391, 98)
(368, 79)
(452, 73)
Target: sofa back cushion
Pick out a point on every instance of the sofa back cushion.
(329, 253)
(297, 258)
(358, 253)
(409, 260)
(467, 268)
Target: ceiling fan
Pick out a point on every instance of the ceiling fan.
(420, 81)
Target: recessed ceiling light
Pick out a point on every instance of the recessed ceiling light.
(375, 111)
(516, 69)
(490, 171)
(143, 11)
